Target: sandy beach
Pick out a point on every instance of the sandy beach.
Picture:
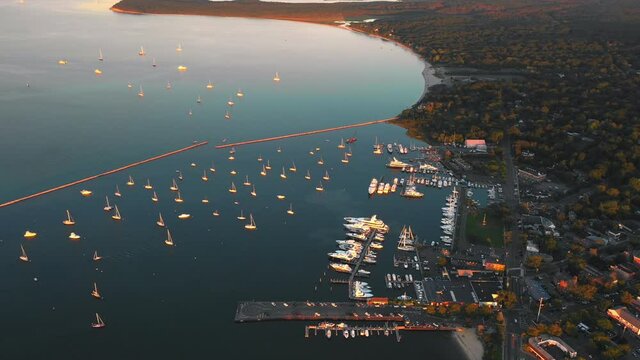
(470, 343)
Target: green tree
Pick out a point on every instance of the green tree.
(507, 299)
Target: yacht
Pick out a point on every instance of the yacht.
(308, 175)
(280, 197)
(23, 254)
(184, 216)
(216, 213)
(290, 210)
(117, 215)
(107, 206)
(169, 239)
(130, 182)
(96, 257)
(69, 220)
(63, 62)
(95, 293)
(160, 221)
(373, 186)
(74, 236)
(276, 77)
(99, 324)
(230, 102)
(344, 268)
(411, 192)
(117, 192)
(204, 176)
(179, 199)
(320, 161)
(239, 93)
(86, 193)
(396, 164)
(174, 186)
(205, 200)
(233, 189)
(252, 224)
(97, 72)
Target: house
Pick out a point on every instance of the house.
(625, 318)
(476, 144)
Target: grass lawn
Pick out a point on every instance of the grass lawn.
(491, 234)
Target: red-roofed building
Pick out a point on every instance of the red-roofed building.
(476, 144)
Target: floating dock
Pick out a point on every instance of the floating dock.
(356, 267)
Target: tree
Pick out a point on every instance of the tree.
(554, 329)
(626, 298)
(534, 261)
(442, 261)
(506, 299)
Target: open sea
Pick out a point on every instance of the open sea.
(59, 123)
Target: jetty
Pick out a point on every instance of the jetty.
(305, 133)
(252, 311)
(358, 262)
(109, 172)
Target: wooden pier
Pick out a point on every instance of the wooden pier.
(338, 330)
(305, 133)
(252, 311)
(77, 182)
(356, 266)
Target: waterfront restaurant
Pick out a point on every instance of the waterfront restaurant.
(625, 318)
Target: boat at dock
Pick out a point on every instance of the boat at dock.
(343, 268)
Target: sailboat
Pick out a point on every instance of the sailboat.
(276, 77)
(179, 48)
(180, 177)
(341, 145)
(100, 57)
(179, 199)
(153, 62)
(290, 210)
(239, 93)
(209, 85)
(97, 72)
(212, 168)
(308, 175)
(259, 157)
(174, 186)
(349, 152)
(246, 181)
(99, 323)
(216, 213)
(154, 198)
(130, 182)
(117, 193)
(230, 102)
(293, 167)
(74, 236)
(279, 149)
(95, 293)
(345, 160)
(253, 191)
(23, 255)
(283, 175)
(252, 224)
(233, 189)
(169, 239)
(148, 185)
(233, 172)
(320, 161)
(69, 220)
(204, 176)
(141, 52)
(264, 171)
(117, 215)
(320, 187)
(107, 206)
(129, 85)
(280, 197)
(205, 200)
(168, 86)
(241, 216)
(96, 257)
(227, 115)
(141, 92)
(199, 99)
(160, 221)
(326, 176)
(377, 148)
(268, 167)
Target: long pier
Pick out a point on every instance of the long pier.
(305, 133)
(251, 311)
(356, 267)
(73, 183)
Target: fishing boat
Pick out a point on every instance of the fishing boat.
(283, 175)
(174, 186)
(100, 57)
(239, 93)
(141, 92)
(230, 102)
(233, 189)
(241, 216)
(308, 175)
(290, 210)
(23, 254)
(345, 160)
(184, 216)
(252, 224)
(341, 145)
(169, 239)
(204, 176)
(209, 85)
(141, 52)
(99, 324)
(253, 191)
(154, 197)
(281, 197)
(160, 221)
(86, 193)
(130, 182)
(276, 77)
(69, 220)
(263, 172)
(320, 161)
(227, 115)
(95, 293)
(326, 177)
(117, 193)
(293, 167)
(320, 187)
(117, 215)
(96, 257)
(268, 166)
(179, 199)
(246, 181)
(74, 236)
(179, 48)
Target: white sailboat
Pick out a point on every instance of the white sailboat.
(341, 145)
(160, 221)
(241, 216)
(96, 257)
(154, 198)
(290, 210)
(130, 182)
(99, 323)
(169, 239)
(148, 185)
(199, 99)
(246, 181)
(253, 191)
(320, 187)
(100, 57)
(320, 161)
(230, 102)
(293, 167)
(204, 176)
(252, 224)
(263, 172)
(276, 77)
(209, 85)
(168, 86)
(179, 199)
(308, 175)
(233, 189)
(141, 52)
(179, 48)
(326, 177)
(95, 293)
(141, 92)
(23, 255)
(116, 193)
(345, 160)
(174, 185)
(283, 174)
(239, 93)
(212, 168)
(268, 167)
(153, 62)
(227, 115)
(69, 220)
(107, 206)
(117, 215)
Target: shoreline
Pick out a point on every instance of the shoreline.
(470, 344)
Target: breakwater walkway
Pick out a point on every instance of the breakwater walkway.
(73, 183)
(305, 133)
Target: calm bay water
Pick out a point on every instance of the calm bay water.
(165, 302)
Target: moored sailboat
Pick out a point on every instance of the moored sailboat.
(169, 239)
(107, 206)
(252, 224)
(23, 254)
(99, 323)
(96, 257)
(160, 221)
(69, 220)
(117, 215)
(95, 293)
